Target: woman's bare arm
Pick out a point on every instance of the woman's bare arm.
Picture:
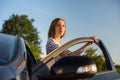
(80, 50)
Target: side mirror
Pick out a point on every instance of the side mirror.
(74, 67)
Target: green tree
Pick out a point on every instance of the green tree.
(23, 27)
(117, 66)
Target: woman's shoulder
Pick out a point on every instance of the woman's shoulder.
(50, 40)
(51, 45)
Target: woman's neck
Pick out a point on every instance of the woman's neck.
(57, 38)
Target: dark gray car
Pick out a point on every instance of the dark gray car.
(18, 63)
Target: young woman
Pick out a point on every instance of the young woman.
(56, 32)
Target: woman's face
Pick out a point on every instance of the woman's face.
(60, 28)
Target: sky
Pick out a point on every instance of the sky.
(84, 18)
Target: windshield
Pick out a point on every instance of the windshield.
(7, 48)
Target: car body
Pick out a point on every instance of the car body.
(12, 57)
(18, 63)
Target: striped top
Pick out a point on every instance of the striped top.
(52, 45)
